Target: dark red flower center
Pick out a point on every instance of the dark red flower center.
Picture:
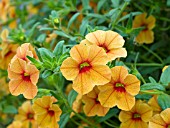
(136, 116)
(85, 66)
(145, 27)
(51, 112)
(119, 87)
(105, 48)
(30, 116)
(26, 76)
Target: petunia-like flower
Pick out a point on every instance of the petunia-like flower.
(4, 5)
(121, 89)
(110, 41)
(92, 106)
(23, 51)
(137, 117)
(86, 67)
(146, 35)
(23, 78)
(7, 50)
(15, 124)
(26, 115)
(47, 114)
(161, 120)
(153, 102)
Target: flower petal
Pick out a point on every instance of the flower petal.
(33, 72)
(79, 52)
(166, 115)
(13, 75)
(127, 124)
(116, 53)
(150, 21)
(97, 56)
(18, 66)
(157, 122)
(69, 69)
(124, 116)
(132, 84)
(31, 91)
(57, 111)
(92, 38)
(83, 83)
(100, 75)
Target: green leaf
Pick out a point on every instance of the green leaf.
(111, 113)
(46, 29)
(165, 77)
(10, 109)
(135, 31)
(127, 16)
(58, 50)
(73, 18)
(152, 80)
(129, 23)
(62, 58)
(61, 33)
(164, 101)
(64, 119)
(46, 73)
(72, 96)
(37, 63)
(83, 26)
(45, 54)
(85, 5)
(120, 28)
(168, 3)
(41, 38)
(115, 3)
(100, 4)
(96, 16)
(150, 86)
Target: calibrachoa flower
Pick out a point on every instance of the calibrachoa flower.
(137, 117)
(26, 115)
(121, 89)
(15, 124)
(161, 120)
(47, 114)
(86, 67)
(23, 51)
(110, 41)
(23, 78)
(153, 102)
(146, 35)
(92, 106)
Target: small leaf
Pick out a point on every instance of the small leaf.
(120, 28)
(72, 96)
(64, 119)
(58, 50)
(100, 4)
(165, 77)
(115, 3)
(129, 23)
(127, 16)
(37, 63)
(45, 54)
(47, 73)
(73, 18)
(10, 109)
(152, 80)
(46, 29)
(164, 101)
(41, 38)
(150, 86)
(62, 58)
(61, 33)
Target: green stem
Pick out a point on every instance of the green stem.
(119, 14)
(146, 48)
(146, 64)
(111, 125)
(148, 92)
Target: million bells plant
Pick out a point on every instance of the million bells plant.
(84, 64)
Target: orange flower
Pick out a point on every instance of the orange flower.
(161, 120)
(86, 67)
(23, 78)
(146, 35)
(23, 51)
(153, 102)
(26, 115)
(12, 15)
(121, 89)
(8, 50)
(137, 117)
(92, 106)
(110, 41)
(47, 114)
(4, 5)
(15, 124)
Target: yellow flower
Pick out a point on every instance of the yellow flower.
(12, 15)
(23, 78)
(153, 102)
(4, 5)
(47, 114)
(146, 35)
(110, 41)
(161, 120)
(137, 117)
(92, 106)
(26, 115)
(86, 67)
(121, 89)
(15, 124)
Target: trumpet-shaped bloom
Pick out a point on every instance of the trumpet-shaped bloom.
(23, 51)
(146, 35)
(47, 114)
(137, 117)
(153, 102)
(26, 115)
(121, 89)
(161, 120)
(86, 67)
(23, 78)
(15, 124)
(92, 106)
(110, 41)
